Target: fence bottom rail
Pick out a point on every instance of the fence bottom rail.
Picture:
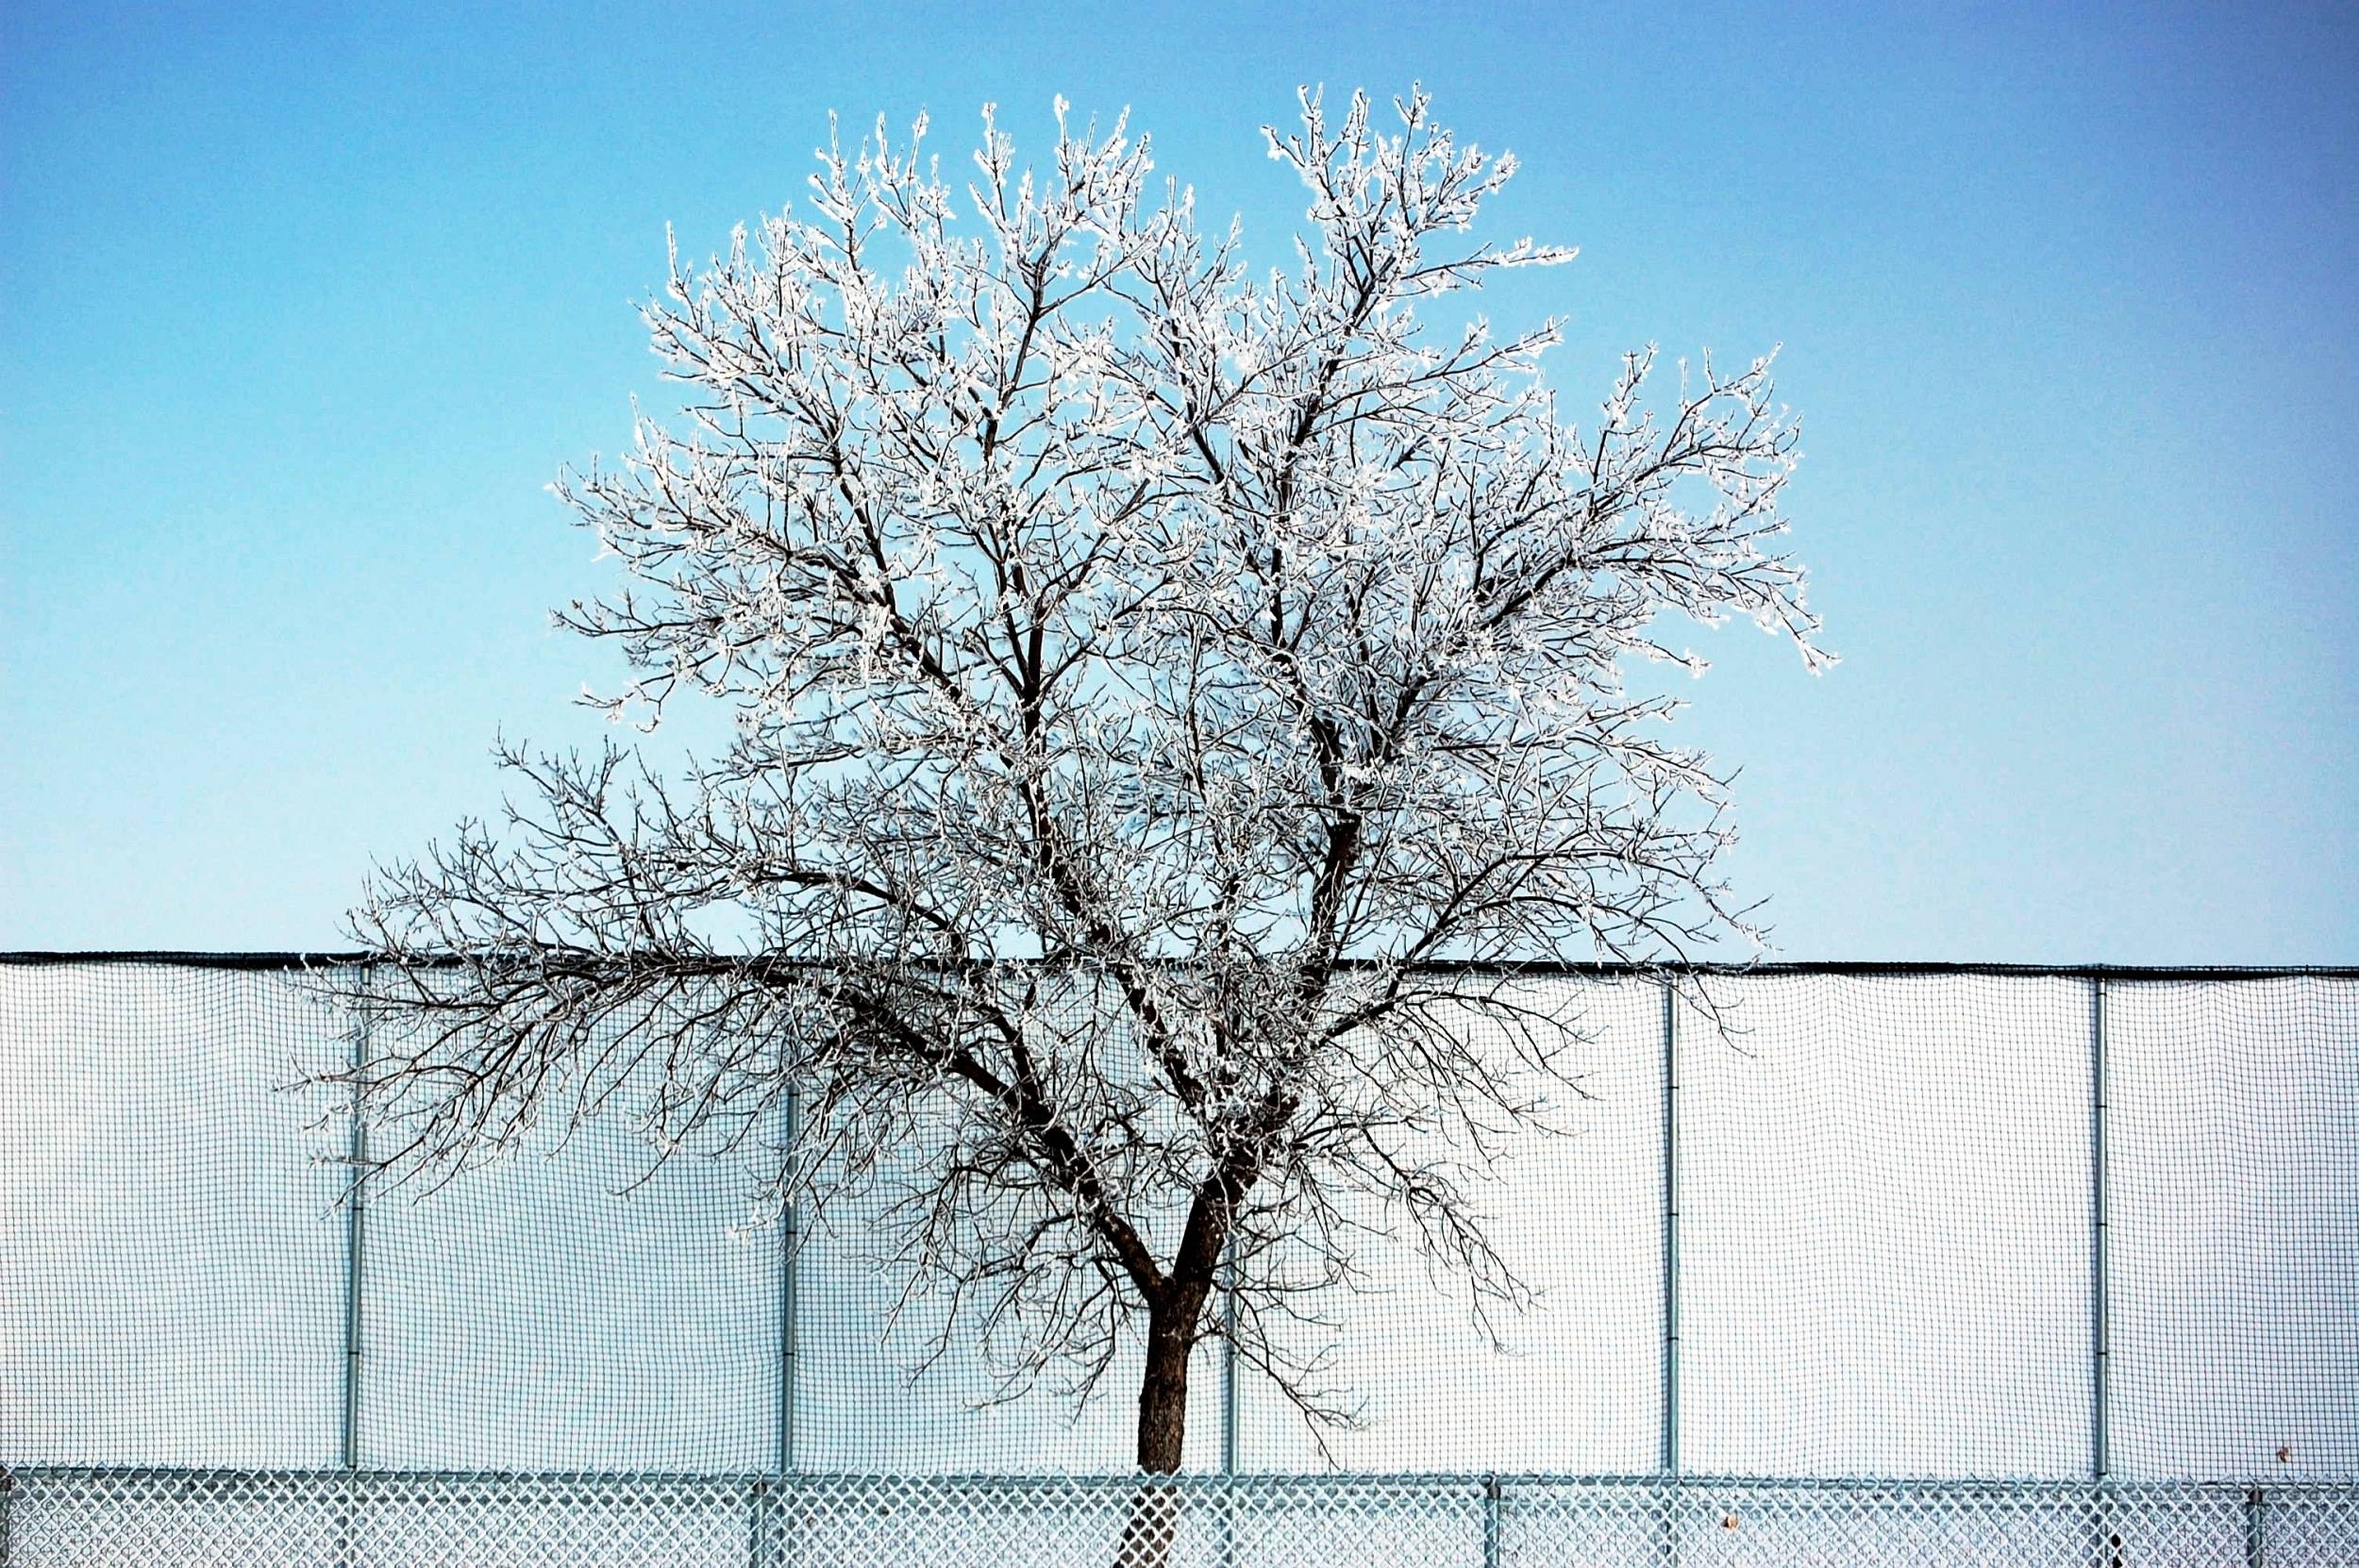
(52, 1517)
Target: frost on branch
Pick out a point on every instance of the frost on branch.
(1145, 672)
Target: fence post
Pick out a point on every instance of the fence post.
(356, 1222)
(1229, 1362)
(769, 1537)
(1668, 1459)
(2254, 1551)
(1229, 1405)
(1671, 1455)
(1491, 1521)
(356, 1230)
(758, 1523)
(790, 1243)
(2100, 1262)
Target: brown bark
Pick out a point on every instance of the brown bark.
(1154, 1523)
(1164, 1391)
(1174, 1313)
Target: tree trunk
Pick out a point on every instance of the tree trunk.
(1163, 1392)
(1154, 1523)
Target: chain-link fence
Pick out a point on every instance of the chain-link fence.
(89, 1518)
(2079, 1248)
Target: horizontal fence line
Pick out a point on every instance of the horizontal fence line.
(36, 958)
(1203, 1480)
(343, 1519)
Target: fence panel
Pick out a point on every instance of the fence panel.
(1574, 1383)
(565, 1309)
(2235, 1168)
(172, 1270)
(1885, 1200)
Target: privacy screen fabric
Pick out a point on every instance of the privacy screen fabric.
(1805, 1223)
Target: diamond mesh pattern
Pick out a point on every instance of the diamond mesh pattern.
(163, 1519)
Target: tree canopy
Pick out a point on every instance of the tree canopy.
(1170, 699)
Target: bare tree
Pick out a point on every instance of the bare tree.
(1168, 704)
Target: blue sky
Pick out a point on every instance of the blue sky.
(302, 308)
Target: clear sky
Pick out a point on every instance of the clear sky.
(303, 308)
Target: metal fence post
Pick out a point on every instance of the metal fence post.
(1671, 1451)
(2100, 1306)
(791, 1240)
(1228, 1363)
(1491, 1521)
(356, 1226)
(356, 1231)
(758, 1522)
(1668, 1459)
(769, 1545)
(1229, 1405)
(2255, 1553)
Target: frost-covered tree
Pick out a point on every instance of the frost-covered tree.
(1169, 701)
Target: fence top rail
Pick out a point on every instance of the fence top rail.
(35, 958)
(200, 1479)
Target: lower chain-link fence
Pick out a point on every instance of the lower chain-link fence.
(146, 1518)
